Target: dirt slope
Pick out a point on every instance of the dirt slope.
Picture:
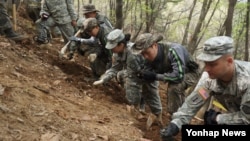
(43, 97)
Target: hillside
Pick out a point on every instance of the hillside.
(44, 97)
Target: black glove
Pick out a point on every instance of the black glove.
(108, 65)
(210, 117)
(168, 132)
(147, 75)
(74, 38)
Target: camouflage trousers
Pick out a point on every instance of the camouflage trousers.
(67, 30)
(177, 93)
(98, 67)
(137, 89)
(5, 22)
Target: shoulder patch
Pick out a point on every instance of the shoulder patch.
(204, 93)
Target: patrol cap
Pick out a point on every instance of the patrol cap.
(144, 41)
(113, 38)
(216, 47)
(89, 8)
(89, 24)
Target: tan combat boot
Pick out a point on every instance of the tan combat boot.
(154, 119)
(159, 120)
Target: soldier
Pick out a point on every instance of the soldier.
(100, 58)
(33, 8)
(59, 13)
(6, 25)
(171, 63)
(224, 78)
(89, 11)
(125, 68)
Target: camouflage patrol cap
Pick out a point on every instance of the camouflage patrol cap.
(216, 47)
(89, 24)
(89, 8)
(114, 37)
(144, 41)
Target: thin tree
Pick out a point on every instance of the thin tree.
(192, 43)
(247, 30)
(118, 14)
(227, 26)
(184, 40)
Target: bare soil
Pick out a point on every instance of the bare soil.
(46, 98)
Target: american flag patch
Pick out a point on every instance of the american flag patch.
(203, 93)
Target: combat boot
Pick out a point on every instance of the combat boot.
(150, 121)
(9, 33)
(142, 109)
(159, 120)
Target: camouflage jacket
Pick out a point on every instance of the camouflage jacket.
(235, 97)
(33, 4)
(62, 11)
(127, 61)
(102, 19)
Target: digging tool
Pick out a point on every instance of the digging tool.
(63, 50)
(14, 14)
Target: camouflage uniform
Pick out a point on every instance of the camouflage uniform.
(173, 64)
(33, 8)
(5, 21)
(6, 25)
(102, 20)
(129, 65)
(103, 59)
(235, 96)
(61, 13)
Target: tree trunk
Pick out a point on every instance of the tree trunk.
(227, 26)
(119, 15)
(184, 40)
(192, 43)
(111, 11)
(247, 31)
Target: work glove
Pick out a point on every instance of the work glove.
(98, 82)
(210, 117)
(168, 132)
(74, 38)
(44, 16)
(147, 75)
(92, 57)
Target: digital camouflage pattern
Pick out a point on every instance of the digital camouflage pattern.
(215, 47)
(61, 13)
(235, 98)
(144, 41)
(5, 21)
(129, 65)
(172, 65)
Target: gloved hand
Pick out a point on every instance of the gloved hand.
(44, 16)
(147, 75)
(74, 38)
(108, 65)
(92, 57)
(98, 82)
(168, 132)
(210, 117)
